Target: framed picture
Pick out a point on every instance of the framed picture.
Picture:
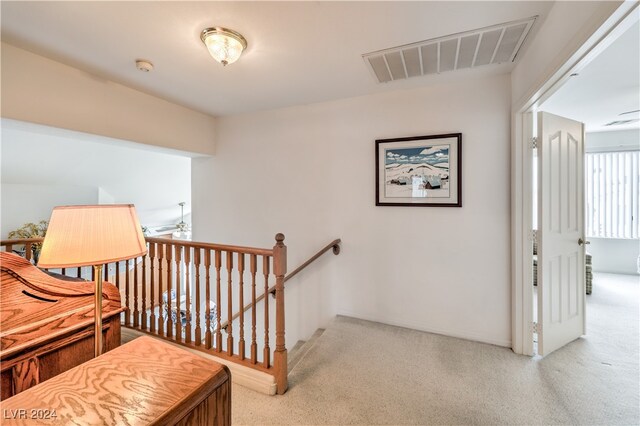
(419, 171)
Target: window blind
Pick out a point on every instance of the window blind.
(612, 194)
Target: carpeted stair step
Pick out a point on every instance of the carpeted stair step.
(293, 354)
(301, 349)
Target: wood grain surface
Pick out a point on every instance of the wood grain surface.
(143, 382)
(36, 307)
(46, 324)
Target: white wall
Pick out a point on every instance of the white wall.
(611, 254)
(39, 90)
(308, 171)
(24, 203)
(622, 140)
(614, 255)
(58, 167)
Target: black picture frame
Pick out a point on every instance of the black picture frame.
(412, 171)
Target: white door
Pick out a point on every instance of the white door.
(561, 249)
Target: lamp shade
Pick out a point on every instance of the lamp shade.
(92, 235)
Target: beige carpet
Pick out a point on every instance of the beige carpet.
(361, 372)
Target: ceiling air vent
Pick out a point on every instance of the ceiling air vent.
(490, 45)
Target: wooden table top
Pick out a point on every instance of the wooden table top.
(143, 382)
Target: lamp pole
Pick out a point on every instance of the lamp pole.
(98, 311)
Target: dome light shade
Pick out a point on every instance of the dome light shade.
(224, 45)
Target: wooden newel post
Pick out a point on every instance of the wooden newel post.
(280, 354)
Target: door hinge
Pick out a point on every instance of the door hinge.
(533, 235)
(537, 328)
(534, 142)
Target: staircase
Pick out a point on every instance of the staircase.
(211, 299)
(301, 349)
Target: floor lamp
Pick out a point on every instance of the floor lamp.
(92, 236)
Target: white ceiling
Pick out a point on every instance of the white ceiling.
(608, 86)
(299, 52)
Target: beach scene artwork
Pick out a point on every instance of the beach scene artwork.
(417, 172)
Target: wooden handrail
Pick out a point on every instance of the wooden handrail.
(335, 245)
(210, 246)
(20, 241)
(183, 243)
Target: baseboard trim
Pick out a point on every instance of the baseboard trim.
(240, 375)
(420, 327)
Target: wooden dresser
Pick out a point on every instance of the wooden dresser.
(144, 382)
(46, 324)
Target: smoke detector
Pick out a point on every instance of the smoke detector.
(143, 65)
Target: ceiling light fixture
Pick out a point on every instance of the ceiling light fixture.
(224, 45)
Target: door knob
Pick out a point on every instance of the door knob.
(583, 242)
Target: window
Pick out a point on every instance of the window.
(612, 194)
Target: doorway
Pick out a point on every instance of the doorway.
(604, 96)
(550, 100)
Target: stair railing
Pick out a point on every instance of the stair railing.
(177, 292)
(28, 243)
